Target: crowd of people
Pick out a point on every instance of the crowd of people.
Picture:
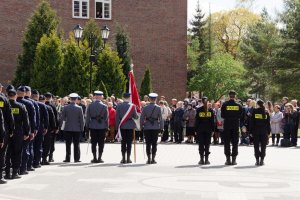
(31, 123)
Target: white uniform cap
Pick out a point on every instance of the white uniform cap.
(153, 95)
(73, 95)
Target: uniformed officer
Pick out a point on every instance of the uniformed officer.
(49, 133)
(125, 115)
(261, 129)
(152, 123)
(43, 127)
(6, 130)
(31, 114)
(54, 133)
(97, 122)
(73, 125)
(231, 112)
(204, 124)
(21, 133)
(37, 124)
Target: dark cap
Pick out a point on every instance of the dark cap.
(9, 87)
(11, 92)
(21, 89)
(27, 88)
(126, 95)
(42, 97)
(35, 92)
(48, 95)
(232, 93)
(260, 102)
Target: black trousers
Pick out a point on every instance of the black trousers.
(25, 155)
(165, 135)
(127, 138)
(75, 138)
(38, 148)
(31, 154)
(46, 144)
(204, 140)
(277, 138)
(260, 140)
(3, 151)
(151, 137)
(97, 138)
(14, 153)
(178, 132)
(52, 144)
(294, 136)
(231, 136)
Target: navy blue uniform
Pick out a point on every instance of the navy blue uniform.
(48, 137)
(53, 137)
(14, 150)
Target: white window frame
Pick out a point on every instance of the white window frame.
(110, 9)
(80, 9)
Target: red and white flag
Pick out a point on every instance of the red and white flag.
(134, 98)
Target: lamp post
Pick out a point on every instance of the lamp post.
(78, 31)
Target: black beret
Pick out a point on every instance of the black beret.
(11, 92)
(48, 95)
(35, 92)
(232, 93)
(9, 87)
(42, 97)
(21, 89)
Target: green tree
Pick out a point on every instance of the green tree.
(102, 88)
(146, 86)
(109, 71)
(220, 74)
(258, 51)
(122, 44)
(43, 21)
(47, 64)
(74, 73)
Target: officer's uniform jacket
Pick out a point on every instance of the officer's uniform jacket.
(151, 118)
(73, 119)
(97, 116)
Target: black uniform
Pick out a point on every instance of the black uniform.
(231, 112)
(204, 124)
(14, 150)
(260, 128)
(53, 137)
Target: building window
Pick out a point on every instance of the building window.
(81, 8)
(103, 9)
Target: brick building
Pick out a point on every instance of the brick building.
(157, 29)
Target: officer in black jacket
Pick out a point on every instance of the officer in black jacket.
(261, 128)
(21, 133)
(204, 124)
(231, 112)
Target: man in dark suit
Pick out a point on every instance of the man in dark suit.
(73, 125)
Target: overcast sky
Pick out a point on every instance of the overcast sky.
(273, 6)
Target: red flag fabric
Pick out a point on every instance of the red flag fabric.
(134, 98)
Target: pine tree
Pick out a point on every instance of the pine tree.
(146, 86)
(43, 21)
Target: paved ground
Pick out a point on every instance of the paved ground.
(176, 176)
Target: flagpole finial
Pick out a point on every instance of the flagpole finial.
(131, 66)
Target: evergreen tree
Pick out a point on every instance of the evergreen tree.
(102, 88)
(146, 86)
(43, 21)
(47, 64)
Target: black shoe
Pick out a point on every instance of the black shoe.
(7, 176)
(100, 160)
(16, 176)
(128, 161)
(228, 161)
(148, 160)
(77, 161)
(37, 166)
(66, 161)
(206, 161)
(123, 161)
(153, 160)
(31, 169)
(24, 173)
(50, 160)
(233, 160)
(44, 162)
(201, 162)
(94, 161)
(3, 181)
(261, 163)
(257, 162)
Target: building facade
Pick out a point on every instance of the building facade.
(157, 30)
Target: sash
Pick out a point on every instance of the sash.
(123, 120)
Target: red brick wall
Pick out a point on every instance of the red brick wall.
(157, 30)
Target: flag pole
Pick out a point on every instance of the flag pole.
(134, 145)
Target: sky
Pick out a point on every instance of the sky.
(273, 6)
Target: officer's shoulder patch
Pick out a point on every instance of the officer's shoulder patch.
(1, 104)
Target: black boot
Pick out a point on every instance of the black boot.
(94, 158)
(2, 180)
(7, 175)
(257, 161)
(206, 160)
(228, 161)
(148, 160)
(15, 175)
(261, 161)
(123, 161)
(100, 158)
(44, 162)
(233, 160)
(128, 158)
(201, 162)
(51, 158)
(153, 159)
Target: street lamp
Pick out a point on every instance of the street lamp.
(78, 30)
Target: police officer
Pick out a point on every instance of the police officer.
(125, 115)
(43, 127)
(21, 133)
(37, 124)
(73, 125)
(49, 133)
(31, 114)
(54, 133)
(231, 112)
(152, 123)
(260, 127)
(97, 122)
(204, 124)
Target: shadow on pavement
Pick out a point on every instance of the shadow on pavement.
(214, 166)
(104, 165)
(186, 166)
(247, 167)
(74, 164)
(133, 165)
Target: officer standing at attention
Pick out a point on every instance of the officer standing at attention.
(21, 133)
(73, 125)
(261, 129)
(97, 122)
(125, 124)
(204, 124)
(43, 127)
(231, 112)
(152, 123)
